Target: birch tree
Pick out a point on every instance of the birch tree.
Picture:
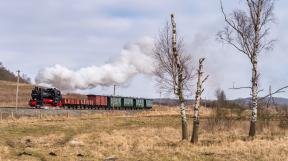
(247, 31)
(199, 91)
(173, 69)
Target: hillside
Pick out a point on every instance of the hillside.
(7, 75)
(170, 101)
(277, 101)
(8, 88)
(8, 94)
(240, 101)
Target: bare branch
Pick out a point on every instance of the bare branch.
(280, 90)
(260, 91)
(205, 79)
(236, 88)
(166, 70)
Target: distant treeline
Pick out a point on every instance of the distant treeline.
(207, 103)
(237, 103)
(170, 101)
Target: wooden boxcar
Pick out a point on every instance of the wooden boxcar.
(99, 101)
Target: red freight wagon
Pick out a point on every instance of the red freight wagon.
(87, 102)
(83, 102)
(98, 100)
(74, 102)
(77, 102)
(103, 100)
(92, 98)
(91, 102)
(65, 101)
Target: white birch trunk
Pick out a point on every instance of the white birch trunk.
(179, 84)
(199, 90)
(252, 131)
(194, 138)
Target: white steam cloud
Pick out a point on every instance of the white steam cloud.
(135, 58)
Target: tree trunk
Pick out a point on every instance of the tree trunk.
(196, 122)
(179, 81)
(182, 107)
(252, 131)
(183, 120)
(194, 138)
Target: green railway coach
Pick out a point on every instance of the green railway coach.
(128, 102)
(139, 103)
(148, 103)
(115, 102)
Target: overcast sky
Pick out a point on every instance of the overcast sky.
(35, 34)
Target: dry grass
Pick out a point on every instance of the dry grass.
(148, 135)
(8, 94)
(172, 111)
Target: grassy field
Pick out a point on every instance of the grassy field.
(139, 136)
(8, 94)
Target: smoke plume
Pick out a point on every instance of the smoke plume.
(135, 58)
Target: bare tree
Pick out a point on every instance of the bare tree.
(221, 97)
(247, 31)
(199, 91)
(173, 69)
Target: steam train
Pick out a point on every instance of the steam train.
(51, 97)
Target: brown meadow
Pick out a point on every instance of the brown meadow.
(141, 135)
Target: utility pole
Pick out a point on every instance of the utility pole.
(114, 91)
(160, 98)
(17, 90)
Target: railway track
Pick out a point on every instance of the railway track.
(7, 112)
(32, 112)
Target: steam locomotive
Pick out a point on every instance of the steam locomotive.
(45, 96)
(51, 97)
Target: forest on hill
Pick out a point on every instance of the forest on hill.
(7, 75)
